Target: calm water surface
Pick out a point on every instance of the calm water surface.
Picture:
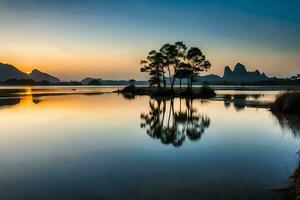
(109, 146)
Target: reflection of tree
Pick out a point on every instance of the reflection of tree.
(128, 96)
(173, 126)
(239, 101)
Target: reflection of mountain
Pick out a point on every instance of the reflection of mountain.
(10, 72)
(240, 101)
(9, 102)
(12, 101)
(171, 125)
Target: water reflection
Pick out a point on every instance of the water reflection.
(9, 102)
(92, 146)
(241, 101)
(172, 125)
(12, 96)
(13, 101)
(128, 96)
(289, 122)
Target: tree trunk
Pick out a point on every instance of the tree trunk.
(158, 77)
(158, 82)
(191, 88)
(170, 77)
(173, 79)
(187, 84)
(172, 85)
(164, 80)
(180, 85)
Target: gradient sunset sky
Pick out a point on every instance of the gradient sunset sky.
(108, 38)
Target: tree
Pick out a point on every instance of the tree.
(154, 65)
(174, 54)
(297, 77)
(132, 82)
(198, 63)
(182, 71)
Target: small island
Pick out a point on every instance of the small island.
(170, 63)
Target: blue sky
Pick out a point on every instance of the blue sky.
(107, 38)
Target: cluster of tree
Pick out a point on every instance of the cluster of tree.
(296, 77)
(174, 61)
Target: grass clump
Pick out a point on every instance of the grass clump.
(287, 103)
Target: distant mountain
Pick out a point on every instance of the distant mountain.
(209, 78)
(8, 71)
(39, 76)
(87, 80)
(240, 74)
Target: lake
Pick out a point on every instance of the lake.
(87, 143)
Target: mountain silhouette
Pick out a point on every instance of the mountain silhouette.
(39, 76)
(87, 80)
(240, 74)
(208, 78)
(8, 71)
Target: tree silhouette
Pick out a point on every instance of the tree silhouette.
(198, 63)
(154, 65)
(174, 54)
(182, 71)
(132, 82)
(296, 77)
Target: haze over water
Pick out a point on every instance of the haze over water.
(108, 146)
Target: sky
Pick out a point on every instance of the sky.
(108, 38)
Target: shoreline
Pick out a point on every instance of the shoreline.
(216, 87)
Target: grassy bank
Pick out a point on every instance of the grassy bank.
(286, 108)
(287, 103)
